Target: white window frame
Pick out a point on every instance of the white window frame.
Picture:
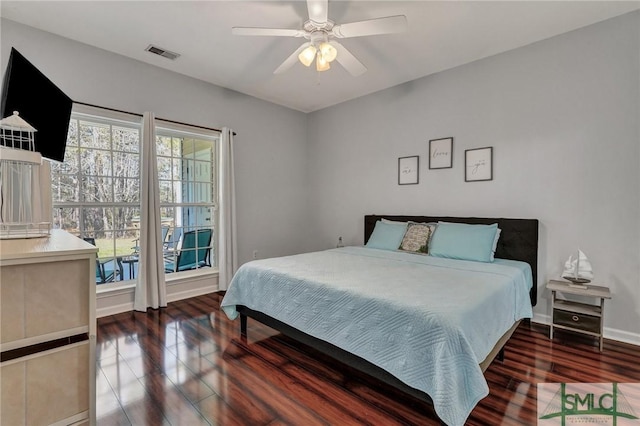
(168, 128)
(123, 290)
(111, 118)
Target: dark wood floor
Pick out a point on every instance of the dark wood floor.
(186, 365)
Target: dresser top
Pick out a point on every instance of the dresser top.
(58, 243)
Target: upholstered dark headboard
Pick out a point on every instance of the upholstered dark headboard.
(518, 239)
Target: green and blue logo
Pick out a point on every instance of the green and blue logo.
(614, 404)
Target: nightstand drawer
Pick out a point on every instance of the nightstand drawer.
(579, 321)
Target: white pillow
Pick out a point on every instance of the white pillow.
(495, 244)
(393, 221)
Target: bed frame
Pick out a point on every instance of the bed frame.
(518, 241)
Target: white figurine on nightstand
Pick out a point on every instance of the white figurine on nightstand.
(578, 271)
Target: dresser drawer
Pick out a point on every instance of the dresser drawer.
(47, 387)
(33, 295)
(578, 321)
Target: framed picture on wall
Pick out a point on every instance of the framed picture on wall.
(441, 153)
(408, 170)
(478, 164)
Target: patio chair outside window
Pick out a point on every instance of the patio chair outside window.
(107, 269)
(163, 238)
(171, 241)
(190, 257)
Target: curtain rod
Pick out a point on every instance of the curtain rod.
(140, 115)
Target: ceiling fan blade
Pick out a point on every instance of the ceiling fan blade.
(348, 61)
(387, 25)
(318, 10)
(291, 60)
(277, 32)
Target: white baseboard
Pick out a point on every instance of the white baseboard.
(609, 333)
(122, 299)
(541, 319)
(180, 295)
(622, 336)
(114, 309)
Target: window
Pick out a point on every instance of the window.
(96, 190)
(186, 175)
(97, 194)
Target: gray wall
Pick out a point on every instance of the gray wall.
(271, 149)
(562, 117)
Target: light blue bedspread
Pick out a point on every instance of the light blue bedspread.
(428, 321)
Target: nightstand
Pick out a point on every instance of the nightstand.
(577, 316)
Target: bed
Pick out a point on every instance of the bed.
(411, 321)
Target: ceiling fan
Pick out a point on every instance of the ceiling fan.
(321, 34)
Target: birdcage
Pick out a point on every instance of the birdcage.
(17, 141)
(18, 156)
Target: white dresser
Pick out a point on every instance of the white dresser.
(47, 330)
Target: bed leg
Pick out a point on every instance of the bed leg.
(243, 325)
(501, 355)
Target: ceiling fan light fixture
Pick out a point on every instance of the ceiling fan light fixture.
(321, 63)
(321, 34)
(329, 52)
(307, 55)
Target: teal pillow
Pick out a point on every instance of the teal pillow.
(464, 241)
(387, 236)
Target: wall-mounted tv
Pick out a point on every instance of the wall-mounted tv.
(40, 102)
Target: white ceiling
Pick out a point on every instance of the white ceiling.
(442, 35)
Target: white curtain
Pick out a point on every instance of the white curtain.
(25, 192)
(227, 247)
(151, 291)
(41, 193)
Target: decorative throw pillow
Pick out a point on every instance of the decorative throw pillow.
(416, 238)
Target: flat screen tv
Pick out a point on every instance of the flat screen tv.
(40, 102)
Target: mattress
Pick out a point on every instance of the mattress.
(428, 321)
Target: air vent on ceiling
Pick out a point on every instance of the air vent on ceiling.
(160, 51)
